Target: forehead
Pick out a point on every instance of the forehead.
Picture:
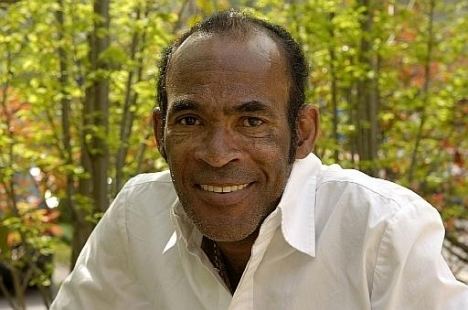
(252, 51)
(217, 63)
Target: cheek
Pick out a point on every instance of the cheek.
(177, 153)
(274, 145)
(179, 144)
(271, 153)
(179, 137)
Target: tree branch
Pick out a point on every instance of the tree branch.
(425, 91)
(454, 241)
(7, 294)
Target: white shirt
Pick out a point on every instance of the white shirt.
(337, 240)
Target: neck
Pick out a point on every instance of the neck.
(236, 254)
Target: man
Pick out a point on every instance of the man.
(247, 218)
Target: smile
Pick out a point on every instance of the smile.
(223, 189)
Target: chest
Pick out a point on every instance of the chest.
(276, 277)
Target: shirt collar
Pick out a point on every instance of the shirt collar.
(297, 205)
(185, 229)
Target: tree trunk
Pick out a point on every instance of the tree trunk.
(351, 104)
(65, 108)
(100, 105)
(81, 227)
(141, 152)
(93, 186)
(425, 91)
(130, 101)
(333, 86)
(367, 95)
(374, 108)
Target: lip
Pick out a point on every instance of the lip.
(224, 199)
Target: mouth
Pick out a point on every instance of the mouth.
(223, 188)
(224, 194)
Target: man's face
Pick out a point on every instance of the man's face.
(226, 135)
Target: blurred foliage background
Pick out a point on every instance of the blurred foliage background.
(77, 87)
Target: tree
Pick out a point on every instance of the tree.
(388, 76)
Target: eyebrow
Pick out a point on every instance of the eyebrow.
(252, 106)
(246, 107)
(184, 105)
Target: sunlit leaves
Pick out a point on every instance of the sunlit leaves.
(29, 63)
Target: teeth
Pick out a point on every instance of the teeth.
(223, 189)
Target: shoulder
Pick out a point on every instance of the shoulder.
(360, 188)
(365, 205)
(152, 184)
(148, 194)
(371, 217)
(149, 178)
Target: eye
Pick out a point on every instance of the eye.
(189, 121)
(252, 122)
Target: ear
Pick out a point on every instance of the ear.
(307, 130)
(158, 130)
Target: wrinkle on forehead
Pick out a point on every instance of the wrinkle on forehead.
(256, 51)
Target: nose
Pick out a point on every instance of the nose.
(218, 148)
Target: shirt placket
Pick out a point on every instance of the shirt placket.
(197, 266)
(244, 296)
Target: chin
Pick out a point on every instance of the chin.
(226, 233)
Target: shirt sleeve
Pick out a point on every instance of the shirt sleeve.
(102, 278)
(410, 271)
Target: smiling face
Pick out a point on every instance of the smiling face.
(226, 135)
